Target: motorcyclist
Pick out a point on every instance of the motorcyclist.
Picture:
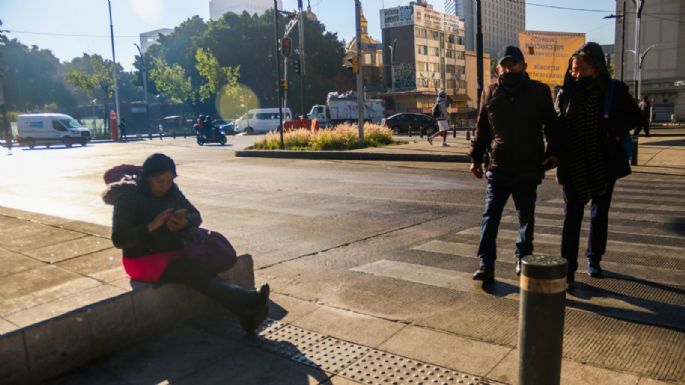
(199, 124)
(209, 131)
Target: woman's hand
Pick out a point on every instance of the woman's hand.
(177, 221)
(159, 220)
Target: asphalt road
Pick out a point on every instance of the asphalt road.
(397, 240)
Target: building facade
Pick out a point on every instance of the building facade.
(472, 78)
(372, 58)
(663, 29)
(501, 22)
(217, 8)
(427, 55)
(149, 38)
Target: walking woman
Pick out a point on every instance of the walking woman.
(150, 214)
(596, 112)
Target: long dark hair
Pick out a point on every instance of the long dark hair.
(592, 54)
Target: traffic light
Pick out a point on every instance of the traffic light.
(286, 46)
(351, 62)
(284, 85)
(297, 65)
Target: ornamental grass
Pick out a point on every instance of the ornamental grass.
(341, 137)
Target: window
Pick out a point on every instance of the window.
(436, 51)
(70, 123)
(451, 68)
(58, 126)
(435, 35)
(420, 32)
(422, 66)
(435, 67)
(449, 53)
(451, 83)
(423, 50)
(451, 39)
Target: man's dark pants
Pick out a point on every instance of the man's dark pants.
(496, 196)
(573, 219)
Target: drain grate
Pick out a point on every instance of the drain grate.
(332, 355)
(381, 368)
(288, 341)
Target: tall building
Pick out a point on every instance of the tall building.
(218, 7)
(149, 38)
(501, 22)
(424, 52)
(662, 28)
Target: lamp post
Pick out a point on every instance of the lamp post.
(639, 4)
(392, 64)
(360, 80)
(638, 76)
(114, 64)
(621, 17)
(278, 74)
(147, 105)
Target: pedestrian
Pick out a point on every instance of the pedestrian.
(646, 109)
(514, 114)
(160, 127)
(596, 112)
(441, 114)
(149, 219)
(8, 140)
(122, 130)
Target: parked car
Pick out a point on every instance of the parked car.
(48, 129)
(403, 122)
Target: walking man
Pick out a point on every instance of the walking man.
(442, 115)
(513, 115)
(646, 108)
(122, 130)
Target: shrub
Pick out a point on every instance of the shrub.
(341, 137)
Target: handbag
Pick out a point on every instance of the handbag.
(209, 247)
(618, 150)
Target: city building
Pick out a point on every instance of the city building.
(472, 78)
(425, 53)
(217, 8)
(372, 58)
(662, 37)
(501, 22)
(149, 38)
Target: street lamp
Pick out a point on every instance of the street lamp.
(147, 105)
(623, 33)
(638, 76)
(114, 67)
(392, 64)
(639, 4)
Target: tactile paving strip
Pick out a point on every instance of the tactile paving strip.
(381, 368)
(332, 355)
(288, 341)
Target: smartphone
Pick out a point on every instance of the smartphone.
(180, 213)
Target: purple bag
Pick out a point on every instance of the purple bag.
(210, 247)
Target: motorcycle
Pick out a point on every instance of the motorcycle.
(217, 136)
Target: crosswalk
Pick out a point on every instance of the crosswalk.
(644, 282)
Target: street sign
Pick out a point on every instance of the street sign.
(679, 83)
(286, 46)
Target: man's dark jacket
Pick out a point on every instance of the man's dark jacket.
(134, 208)
(512, 123)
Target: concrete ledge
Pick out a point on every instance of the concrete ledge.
(354, 155)
(53, 338)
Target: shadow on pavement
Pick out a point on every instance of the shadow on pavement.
(676, 225)
(666, 143)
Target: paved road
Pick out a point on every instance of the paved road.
(397, 241)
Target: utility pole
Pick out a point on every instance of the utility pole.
(360, 80)
(623, 37)
(147, 105)
(114, 64)
(300, 30)
(392, 65)
(479, 51)
(639, 4)
(278, 74)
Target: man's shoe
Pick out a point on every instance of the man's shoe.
(485, 274)
(593, 268)
(430, 139)
(444, 144)
(518, 266)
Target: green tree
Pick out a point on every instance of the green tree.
(217, 78)
(93, 78)
(172, 81)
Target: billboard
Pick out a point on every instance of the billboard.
(547, 54)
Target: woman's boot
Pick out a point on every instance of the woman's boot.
(251, 306)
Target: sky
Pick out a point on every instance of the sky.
(70, 28)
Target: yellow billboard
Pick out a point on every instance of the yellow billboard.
(547, 54)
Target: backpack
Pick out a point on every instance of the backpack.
(435, 112)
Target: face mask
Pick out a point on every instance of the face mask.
(585, 81)
(512, 79)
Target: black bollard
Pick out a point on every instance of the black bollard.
(633, 157)
(541, 319)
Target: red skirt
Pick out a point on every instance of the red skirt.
(150, 268)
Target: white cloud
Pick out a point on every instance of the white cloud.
(148, 10)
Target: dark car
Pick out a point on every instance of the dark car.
(403, 122)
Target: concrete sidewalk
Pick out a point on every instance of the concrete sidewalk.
(64, 293)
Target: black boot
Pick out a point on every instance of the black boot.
(251, 306)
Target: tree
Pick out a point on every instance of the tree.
(93, 78)
(217, 78)
(172, 81)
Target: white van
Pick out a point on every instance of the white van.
(261, 120)
(48, 129)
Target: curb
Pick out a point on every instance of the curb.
(352, 155)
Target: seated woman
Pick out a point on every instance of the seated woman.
(149, 213)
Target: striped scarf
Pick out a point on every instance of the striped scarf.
(587, 173)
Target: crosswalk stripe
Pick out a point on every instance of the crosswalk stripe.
(678, 182)
(650, 199)
(460, 281)
(559, 210)
(631, 230)
(629, 247)
(648, 192)
(651, 184)
(467, 250)
(638, 206)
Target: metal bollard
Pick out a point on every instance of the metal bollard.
(633, 157)
(541, 319)
(468, 133)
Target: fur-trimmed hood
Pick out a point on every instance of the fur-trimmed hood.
(114, 190)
